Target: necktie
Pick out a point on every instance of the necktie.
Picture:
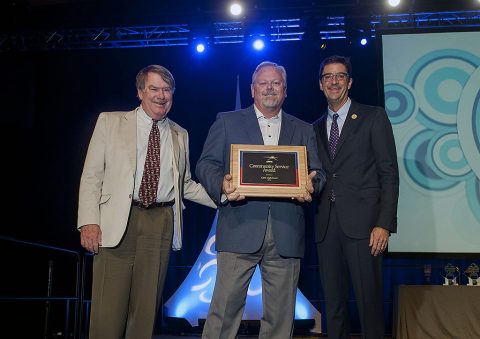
(332, 145)
(334, 135)
(151, 171)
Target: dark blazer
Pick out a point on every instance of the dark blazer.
(364, 173)
(241, 225)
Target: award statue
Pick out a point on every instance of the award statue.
(472, 274)
(450, 277)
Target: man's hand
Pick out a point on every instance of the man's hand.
(378, 240)
(91, 237)
(307, 196)
(229, 189)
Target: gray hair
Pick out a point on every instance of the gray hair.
(160, 70)
(278, 67)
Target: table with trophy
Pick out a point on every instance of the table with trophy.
(450, 310)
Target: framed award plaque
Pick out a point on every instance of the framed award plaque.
(269, 171)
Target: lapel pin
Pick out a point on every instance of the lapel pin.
(354, 116)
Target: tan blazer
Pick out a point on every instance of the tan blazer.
(107, 182)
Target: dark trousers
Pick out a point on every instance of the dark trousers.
(340, 256)
(128, 279)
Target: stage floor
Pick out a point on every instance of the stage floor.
(189, 336)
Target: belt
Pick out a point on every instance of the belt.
(154, 205)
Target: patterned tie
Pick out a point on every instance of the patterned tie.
(151, 171)
(334, 135)
(332, 145)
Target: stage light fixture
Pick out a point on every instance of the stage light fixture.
(363, 41)
(258, 44)
(236, 9)
(200, 48)
(394, 3)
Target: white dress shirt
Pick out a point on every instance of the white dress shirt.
(270, 127)
(165, 190)
(342, 116)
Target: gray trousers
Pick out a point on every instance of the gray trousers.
(128, 279)
(279, 286)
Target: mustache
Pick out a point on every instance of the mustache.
(271, 92)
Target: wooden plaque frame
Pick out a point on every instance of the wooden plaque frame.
(279, 171)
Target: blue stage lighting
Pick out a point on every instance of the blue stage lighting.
(236, 9)
(258, 44)
(363, 41)
(394, 3)
(200, 47)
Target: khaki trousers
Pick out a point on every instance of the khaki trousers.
(128, 279)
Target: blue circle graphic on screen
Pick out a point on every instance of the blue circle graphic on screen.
(419, 163)
(443, 88)
(400, 102)
(445, 157)
(468, 121)
(438, 79)
(445, 96)
(473, 197)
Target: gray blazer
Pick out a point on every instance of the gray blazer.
(241, 225)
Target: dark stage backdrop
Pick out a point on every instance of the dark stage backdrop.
(50, 101)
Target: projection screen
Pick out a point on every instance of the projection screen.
(431, 84)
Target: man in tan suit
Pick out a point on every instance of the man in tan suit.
(135, 175)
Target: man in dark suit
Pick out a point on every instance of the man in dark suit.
(357, 210)
(265, 231)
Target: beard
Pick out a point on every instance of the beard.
(270, 100)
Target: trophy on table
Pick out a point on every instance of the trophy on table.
(472, 274)
(450, 277)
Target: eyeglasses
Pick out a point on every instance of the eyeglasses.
(274, 83)
(328, 77)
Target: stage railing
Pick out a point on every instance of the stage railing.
(11, 246)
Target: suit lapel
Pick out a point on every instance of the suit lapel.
(287, 130)
(252, 128)
(129, 136)
(175, 144)
(351, 121)
(321, 127)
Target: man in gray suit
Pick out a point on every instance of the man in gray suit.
(251, 231)
(135, 176)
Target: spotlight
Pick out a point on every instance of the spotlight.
(394, 3)
(258, 44)
(200, 47)
(236, 9)
(363, 41)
